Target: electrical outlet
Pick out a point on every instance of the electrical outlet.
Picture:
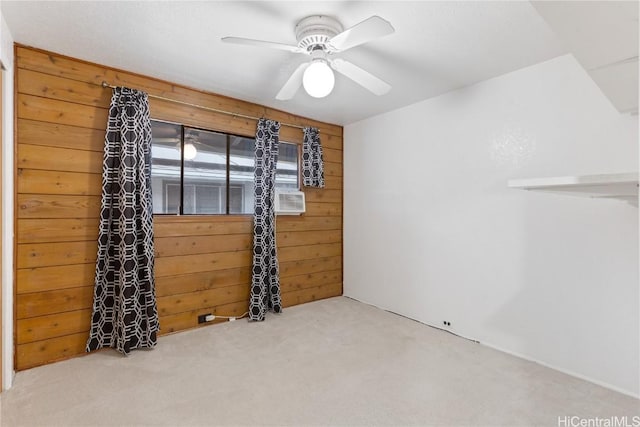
(203, 318)
(446, 323)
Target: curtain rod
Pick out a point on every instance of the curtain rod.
(215, 110)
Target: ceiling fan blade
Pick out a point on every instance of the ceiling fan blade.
(367, 30)
(262, 43)
(360, 76)
(292, 85)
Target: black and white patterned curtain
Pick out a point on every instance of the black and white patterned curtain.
(265, 286)
(312, 161)
(124, 304)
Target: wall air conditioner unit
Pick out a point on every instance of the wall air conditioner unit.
(289, 202)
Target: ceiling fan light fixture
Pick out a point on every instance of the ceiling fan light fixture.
(318, 79)
(320, 36)
(190, 151)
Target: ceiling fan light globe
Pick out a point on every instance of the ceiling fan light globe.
(318, 79)
(190, 151)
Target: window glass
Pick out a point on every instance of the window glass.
(205, 172)
(241, 168)
(165, 167)
(237, 203)
(172, 196)
(208, 199)
(287, 168)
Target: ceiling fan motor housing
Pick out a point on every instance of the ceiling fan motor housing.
(316, 30)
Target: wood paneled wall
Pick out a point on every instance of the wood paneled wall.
(202, 262)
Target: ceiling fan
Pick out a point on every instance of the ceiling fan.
(320, 37)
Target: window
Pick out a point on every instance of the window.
(287, 167)
(215, 173)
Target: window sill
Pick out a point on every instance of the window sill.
(169, 218)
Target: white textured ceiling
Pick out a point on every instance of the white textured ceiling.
(603, 36)
(437, 46)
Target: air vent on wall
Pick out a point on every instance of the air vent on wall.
(289, 202)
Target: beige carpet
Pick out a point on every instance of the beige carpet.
(332, 362)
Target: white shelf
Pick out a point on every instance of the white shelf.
(623, 186)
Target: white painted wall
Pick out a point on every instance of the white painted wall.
(432, 232)
(6, 58)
